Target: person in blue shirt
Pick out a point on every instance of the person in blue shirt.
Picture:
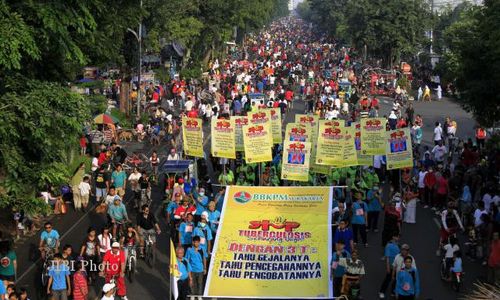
(213, 217)
(59, 282)
(344, 234)
(201, 201)
(185, 278)
(390, 252)
(338, 271)
(119, 180)
(219, 199)
(197, 258)
(205, 234)
(457, 263)
(407, 281)
(49, 239)
(359, 218)
(117, 212)
(374, 208)
(186, 232)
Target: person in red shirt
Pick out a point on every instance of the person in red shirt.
(494, 260)
(193, 113)
(467, 156)
(83, 145)
(114, 268)
(182, 211)
(430, 183)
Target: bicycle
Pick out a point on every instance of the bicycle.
(131, 264)
(49, 254)
(149, 248)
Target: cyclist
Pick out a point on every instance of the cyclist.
(129, 240)
(146, 225)
(450, 222)
(117, 213)
(49, 240)
(113, 264)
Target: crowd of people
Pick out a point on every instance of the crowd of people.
(288, 63)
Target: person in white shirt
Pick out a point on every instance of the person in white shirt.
(95, 163)
(421, 185)
(438, 133)
(439, 151)
(189, 105)
(84, 188)
(478, 213)
(173, 155)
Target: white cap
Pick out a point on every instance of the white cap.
(108, 287)
(204, 214)
(115, 245)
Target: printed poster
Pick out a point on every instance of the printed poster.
(295, 165)
(276, 125)
(258, 142)
(309, 119)
(261, 117)
(313, 166)
(297, 132)
(350, 154)
(223, 138)
(239, 121)
(331, 135)
(192, 135)
(363, 159)
(273, 242)
(373, 136)
(399, 151)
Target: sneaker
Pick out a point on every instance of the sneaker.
(376, 230)
(433, 208)
(382, 258)
(366, 245)
(124, 298)
(426, 206)
(438, 253)
(381, 295)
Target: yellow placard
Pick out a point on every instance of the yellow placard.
(260, 117)
(373, 136)
(223, 138)
(295, 165)
(363, 159)
(192, 135)
(350, 154)
(239, 121)
(330, 143)
(276, 125)
(258, 142)
(273, 242)
(309, 119)
(297, 132)
(313, 166)
(399, 151)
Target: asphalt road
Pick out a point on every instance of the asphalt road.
(153, 283)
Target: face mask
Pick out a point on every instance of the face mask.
(202, 225)
(202, 194)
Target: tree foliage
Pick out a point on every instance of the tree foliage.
(473, 44)
(389, 30)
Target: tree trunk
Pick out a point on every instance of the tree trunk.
(124, 97)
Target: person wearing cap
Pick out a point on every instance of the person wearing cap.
(205, 234)
(109, 291)
(184, 209)
(113, 264)
(178, 188)
(398, 262)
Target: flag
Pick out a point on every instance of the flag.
(174, 271)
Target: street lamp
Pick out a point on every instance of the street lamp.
(139, 41)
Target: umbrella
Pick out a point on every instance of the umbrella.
(105, 119)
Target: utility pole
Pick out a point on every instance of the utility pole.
(432, 27)
(138, 36)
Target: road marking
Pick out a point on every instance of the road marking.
(438, 224)
(34, 265)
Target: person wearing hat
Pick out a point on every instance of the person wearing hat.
(204, 232)
(108, 291)
(113, 264)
